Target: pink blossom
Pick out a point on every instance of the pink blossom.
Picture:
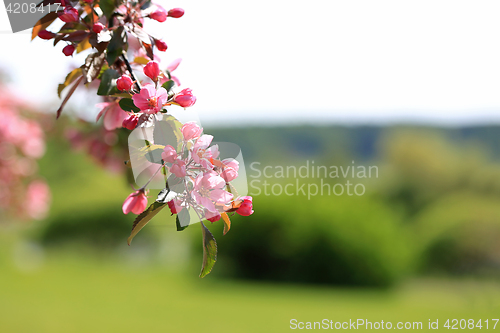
(169, 154)
(34, 147)
(170, 68)
(160, 14)
(176, 12)
(69, 14)
(113, 115)
(208, 191)
(150, 100)
(32, 143)
(230, 170)
(124, 83)
(185, 98)
(191, 131)
(204, 155)
(152, 70)
(245, 208)
(136, 203)
(179, 168)
(68, 50)
(130, 122)
(37, 199)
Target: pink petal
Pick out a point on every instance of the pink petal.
(221, 196)
(208, 204)
(173, 65)
(176, 80)
(203, 141)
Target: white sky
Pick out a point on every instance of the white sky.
(296, 61)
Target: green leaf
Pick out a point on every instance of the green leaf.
(127, 104)
(168, 132)
(72, 76)
(168, 85)
(178, 224)
(209, 251)
(143, 219)
(116, 45)
(108, 82)
(108, 7)
(182, 215)
(153, 155)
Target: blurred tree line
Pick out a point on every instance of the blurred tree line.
(432, 210)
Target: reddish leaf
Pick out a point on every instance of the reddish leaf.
(76, 36)
(43, 24)
(227, 222)
(72, 90)
(149, 50)
(70, 78)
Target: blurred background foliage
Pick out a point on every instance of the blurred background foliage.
(432, 213)
(432, 209)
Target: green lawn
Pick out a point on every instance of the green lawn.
(76, 292)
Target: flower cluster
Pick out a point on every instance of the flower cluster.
(136, 94)
(200, 182)
(22, 142)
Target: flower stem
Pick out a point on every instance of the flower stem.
(129, 68)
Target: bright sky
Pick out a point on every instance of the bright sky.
(295, 61)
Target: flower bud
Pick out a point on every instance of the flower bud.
(130, 122)
(191, 131)
(44, 34)
(69, 14)
(124, 83)
(135, 203)
(169, 154)
(161, 45)
(97, 27)
(185, 98)
(152, 70)
(245, 208)
(160, 14)
(179, 168)
(68, 50)
(174, 206)
(176, 12)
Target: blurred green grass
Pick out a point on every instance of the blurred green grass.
(72, 292)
